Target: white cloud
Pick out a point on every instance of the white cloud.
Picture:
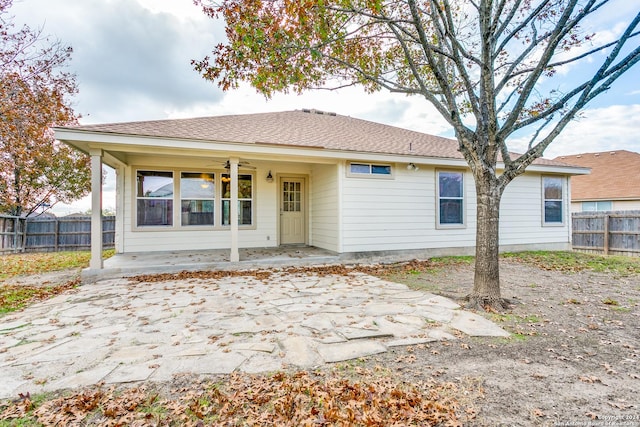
(615, 127)
(132, 59)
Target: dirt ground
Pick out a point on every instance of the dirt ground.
(573, 359)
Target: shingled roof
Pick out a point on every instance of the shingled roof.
(299, 128)
(615, 175)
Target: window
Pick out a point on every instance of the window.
(552, 199)
(245, 199)
(292, 196)
(450, 198)
(597, 206)
(369, 169)
(154, 198)
(197, 194)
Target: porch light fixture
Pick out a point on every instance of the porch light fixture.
(412, 167)
(269, 177)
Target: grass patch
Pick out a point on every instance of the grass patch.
(17, 297)
(514, 318)
(12, 265)
(577, 261)
(454, 260)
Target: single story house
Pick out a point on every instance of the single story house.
(306, 177)
(612, 185)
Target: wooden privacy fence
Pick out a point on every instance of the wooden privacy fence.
(42, 234)
(11, 233)
(615, 233)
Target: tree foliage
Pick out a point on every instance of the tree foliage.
(489, 67)
(35, 170)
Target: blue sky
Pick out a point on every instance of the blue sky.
(132, 61)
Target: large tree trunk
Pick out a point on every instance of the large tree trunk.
(486, 284)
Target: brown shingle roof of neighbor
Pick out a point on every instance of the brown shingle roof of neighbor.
(614, 175)
(299, 128)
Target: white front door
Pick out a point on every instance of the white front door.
(292, 213)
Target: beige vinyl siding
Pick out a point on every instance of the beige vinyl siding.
(324, 206)
(399, 213)
(521, 214)
(626, 205)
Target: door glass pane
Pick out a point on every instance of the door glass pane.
(291, 196)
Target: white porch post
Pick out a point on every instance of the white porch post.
(96, 210)
(233, 211)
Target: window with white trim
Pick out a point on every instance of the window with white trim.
(450, 195)
(553, 200)
(197, 197)
(245, 199)
(154, 198)
(597, 206)
(369, 169)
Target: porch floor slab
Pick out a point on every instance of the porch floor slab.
(129, 264)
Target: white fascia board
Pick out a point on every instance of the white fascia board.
(84, 140)
(564, 170)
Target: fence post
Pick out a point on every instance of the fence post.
(56, 233)
(16, 223)
(606, 234)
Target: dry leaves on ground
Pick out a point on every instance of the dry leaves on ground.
(372, 398)
(380, 270)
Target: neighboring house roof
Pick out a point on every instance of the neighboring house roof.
(615, 175)
(299, 128)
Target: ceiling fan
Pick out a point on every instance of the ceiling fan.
(241, 164)
(227, 165)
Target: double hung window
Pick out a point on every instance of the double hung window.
(204, 199)
(197, 194)
(245, 199)
(553, 199)
(154, 198)
(450, 199)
